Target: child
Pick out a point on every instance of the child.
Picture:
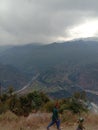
(80, 124)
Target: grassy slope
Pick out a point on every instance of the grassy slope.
(39, 121)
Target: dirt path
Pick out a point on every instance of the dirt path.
(53, 128)
(71, 128)
(88, 126)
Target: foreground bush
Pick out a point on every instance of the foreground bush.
(22, 105)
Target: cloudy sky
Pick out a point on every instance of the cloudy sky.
(46, 21)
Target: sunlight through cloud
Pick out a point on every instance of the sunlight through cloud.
(87, 29)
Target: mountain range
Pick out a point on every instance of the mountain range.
(62, 68)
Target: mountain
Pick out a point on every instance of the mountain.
(12, 77)
(4, 48)
(40, 57)
(62, 68)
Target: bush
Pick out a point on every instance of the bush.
(3, 107)
(48, 107)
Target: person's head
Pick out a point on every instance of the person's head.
(56, 105)
(81, 119)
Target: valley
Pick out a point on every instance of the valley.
(58, 69)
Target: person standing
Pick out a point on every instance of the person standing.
(55, 118)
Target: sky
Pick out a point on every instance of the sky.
(47, 21)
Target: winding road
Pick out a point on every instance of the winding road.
(26, 86)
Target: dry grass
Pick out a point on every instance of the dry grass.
(39, 121)
(9, 121)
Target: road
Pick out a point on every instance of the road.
(26, 86)
(91, 91)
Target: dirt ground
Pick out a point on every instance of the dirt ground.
(63, 127)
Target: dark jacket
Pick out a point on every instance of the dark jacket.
(55, 114)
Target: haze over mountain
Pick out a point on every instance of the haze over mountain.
(61, 68)
(29, 57)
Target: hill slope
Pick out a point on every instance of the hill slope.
(63, 67)
(12, 77)
(31, 57)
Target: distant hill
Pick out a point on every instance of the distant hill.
(63, 67)
(41, 57)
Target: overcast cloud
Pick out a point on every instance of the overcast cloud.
(45, 21)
